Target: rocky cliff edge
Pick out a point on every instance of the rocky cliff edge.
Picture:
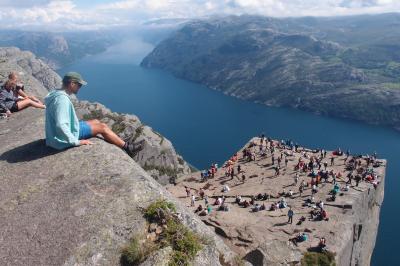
(158, 157)
(78, 206)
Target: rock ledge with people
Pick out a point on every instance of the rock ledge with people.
(276, 202)
(158, 157)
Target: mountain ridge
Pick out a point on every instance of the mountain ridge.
(288, 62)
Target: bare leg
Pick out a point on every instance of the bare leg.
(98, 127)
(25, 103)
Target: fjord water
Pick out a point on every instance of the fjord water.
(206, 126)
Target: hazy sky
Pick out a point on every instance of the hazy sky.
(88, 14)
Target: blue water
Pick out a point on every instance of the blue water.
(206, 126)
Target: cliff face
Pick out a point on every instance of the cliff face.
(159, 157)
(82, 205)
(363, 228)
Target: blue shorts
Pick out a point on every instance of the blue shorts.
(85, 132)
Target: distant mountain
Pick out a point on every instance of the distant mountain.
(58, 49)
(344, 66)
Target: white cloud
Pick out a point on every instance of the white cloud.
(67, 14)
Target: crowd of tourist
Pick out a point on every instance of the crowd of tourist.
(316, 167)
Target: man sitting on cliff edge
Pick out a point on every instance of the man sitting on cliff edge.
(64, 130)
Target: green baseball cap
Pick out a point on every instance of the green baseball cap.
(74, 76)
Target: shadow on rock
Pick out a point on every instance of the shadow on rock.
(280, 224)
(28, 152)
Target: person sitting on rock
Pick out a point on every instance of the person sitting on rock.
(19, 88)
(314, 213)
(209, 209)
(201, 193)
(238, 199)
(301, 220)
(265, 197)
(332, 197)
(225, 189)
(204, 212)
(314, 189)
(199, 209)
(282, 203)
(324, 215)
(252, 200)
(64, 130)
(322, 244)
(256, 207)
(301, 237)
(14, 99)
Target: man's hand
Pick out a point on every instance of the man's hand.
(85, 142)
(8, 113)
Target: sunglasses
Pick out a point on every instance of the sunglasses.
(77, 83)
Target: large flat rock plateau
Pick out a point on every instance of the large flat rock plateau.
(264, 237)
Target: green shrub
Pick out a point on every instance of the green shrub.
(318, 259)
(151, 212)
(162, 170)
(184, 242)
(238, 261)
(95, 114)
(179, 259)
(118, 127)
(181, 161)
(138, 132)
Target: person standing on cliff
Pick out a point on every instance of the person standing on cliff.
(64, 130)
(290, 215)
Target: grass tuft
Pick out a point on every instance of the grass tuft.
(135, 252)
(152, 213)
(318, 259)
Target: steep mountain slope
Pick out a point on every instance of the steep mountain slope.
(58, 49)
(321, 65)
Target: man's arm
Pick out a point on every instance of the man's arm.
(62, 118)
